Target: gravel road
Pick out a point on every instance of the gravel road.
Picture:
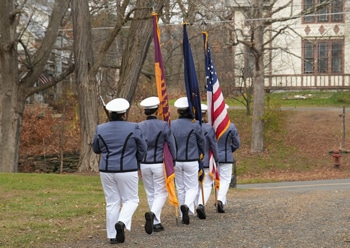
(253, 219)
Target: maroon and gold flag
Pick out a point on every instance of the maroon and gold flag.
(164, 111)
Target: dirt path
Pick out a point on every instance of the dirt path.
(253, 218)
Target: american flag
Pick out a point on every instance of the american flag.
(217, 112)
(44, 77)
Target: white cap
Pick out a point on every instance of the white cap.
(150, 102)
(226, 106)
(204, 108)
(118, 105)
(181, 103)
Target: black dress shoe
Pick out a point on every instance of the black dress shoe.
(220, 207)
(158, 227)
(201, 212)
(185, 217)
(149, 216)
(119, 227)
(113, 241)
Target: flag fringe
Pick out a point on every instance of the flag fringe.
(170, 186)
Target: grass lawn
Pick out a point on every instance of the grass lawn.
(38, 209)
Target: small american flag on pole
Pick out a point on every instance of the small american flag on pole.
(217, 112)
(44, 78)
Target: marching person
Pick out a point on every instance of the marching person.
(122, 148)
(156, 133)
(190, 143)
(206, 184)
(228, 143)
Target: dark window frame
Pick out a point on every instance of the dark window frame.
(323, 56)
(324, 15)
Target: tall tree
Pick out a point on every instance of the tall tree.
(257, 41)
(85, 80)
(134, 54)
(261, 19)
(15, 89)
(260, 15)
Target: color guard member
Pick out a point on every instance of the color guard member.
(122, 148)
(190, 143)
(156, 133)
(228, 143)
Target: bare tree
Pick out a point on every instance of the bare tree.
(135, 52)
(259, 18)
(16, 89)
(259, 45)
(17, 79)
(87, 66)
(245, 89)
(85, 80)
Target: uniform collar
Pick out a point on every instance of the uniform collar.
(151, 117)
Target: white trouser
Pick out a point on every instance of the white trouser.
(207, 187)
(225, 172)
(121, 194)
(154, 182)
(186, 180)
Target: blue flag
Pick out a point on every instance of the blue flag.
(191, 82)
(192, 89)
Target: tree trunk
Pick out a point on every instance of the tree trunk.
(9, 118)
(14, 91)
(86, 84)
(139, 39)
(258, 110)
(257, 144)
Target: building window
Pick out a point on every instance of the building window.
(249, 63)
(309, 57)
(337, 55)
(330, 13)
(323, 56)
(337, 7)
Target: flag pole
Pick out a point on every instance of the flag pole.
(201, 176)
(202, 188)
(176, 215)
(217, 113)
(165, 114)
(204, 32)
